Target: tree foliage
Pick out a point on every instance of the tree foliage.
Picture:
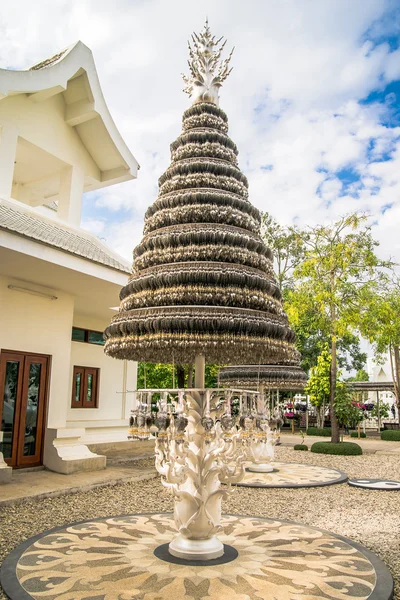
(348, 413)
(340, 265)
(380, 324)
(318, 383)
(287, 247)
(164, 376)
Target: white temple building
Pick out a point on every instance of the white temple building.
(58, 391)
(382, 373)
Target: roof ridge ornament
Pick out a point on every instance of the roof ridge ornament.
(207, 70)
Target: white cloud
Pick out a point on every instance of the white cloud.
(93, 226)
(304, 65)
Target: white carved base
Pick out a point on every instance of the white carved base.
(193, 468)
(187, 549)
(261, 452)
(260, 468)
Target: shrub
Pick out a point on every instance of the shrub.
(326, 431)
(301, 447)
(355, 434)
(342, 448)
(391, 435)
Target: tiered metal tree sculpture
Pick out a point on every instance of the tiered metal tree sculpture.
(266, 379)
(202, 287)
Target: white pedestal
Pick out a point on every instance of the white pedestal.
(261, 468)
(187, 549)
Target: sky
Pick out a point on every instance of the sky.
(313, 99)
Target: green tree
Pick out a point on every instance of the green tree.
(162, 376)
(286, 244)
(340, 264)
(361, 375)
(289, 250)
(380, 323)
(348, 412)
(382, 411)
(318, 385)
(154, 376)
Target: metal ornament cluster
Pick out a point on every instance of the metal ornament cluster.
(267, 377)
(204, 437)
(207, 70)
(202, 280)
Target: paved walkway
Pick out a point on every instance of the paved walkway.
(38, 484)
(122, 466)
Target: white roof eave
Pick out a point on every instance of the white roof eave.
(57, 74)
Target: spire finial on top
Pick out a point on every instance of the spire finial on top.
(207, 70)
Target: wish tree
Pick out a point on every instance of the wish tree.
(267, 380)
(202, 288)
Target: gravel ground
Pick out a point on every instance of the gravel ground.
(371, 517)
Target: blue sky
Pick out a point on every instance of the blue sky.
(313, 100)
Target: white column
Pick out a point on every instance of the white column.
(70, 195)
(8, 150)
(199, 371)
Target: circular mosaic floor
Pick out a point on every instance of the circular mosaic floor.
(293, 475)
(113, 559)
(375, 484)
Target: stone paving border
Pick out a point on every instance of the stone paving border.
(79, 488)
(383, 588)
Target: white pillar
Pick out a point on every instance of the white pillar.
(199, 371)
(8, 150)
(70, 195)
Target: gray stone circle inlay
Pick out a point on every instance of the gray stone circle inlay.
(293, 475)
(375, 484)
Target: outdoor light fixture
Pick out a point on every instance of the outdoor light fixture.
(33, 292)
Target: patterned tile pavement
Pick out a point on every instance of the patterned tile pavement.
(113, 559)
(293, 475)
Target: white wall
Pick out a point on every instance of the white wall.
(115, 376)
(43, 124)
(31, 323)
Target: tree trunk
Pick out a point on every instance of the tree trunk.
(320, 411)
(396, 378)
(333, 374)
(180, 374)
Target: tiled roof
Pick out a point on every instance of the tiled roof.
(48, 61)
(57, 236)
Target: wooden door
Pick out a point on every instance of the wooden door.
(23, 396)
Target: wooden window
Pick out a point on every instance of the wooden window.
(85, 387)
